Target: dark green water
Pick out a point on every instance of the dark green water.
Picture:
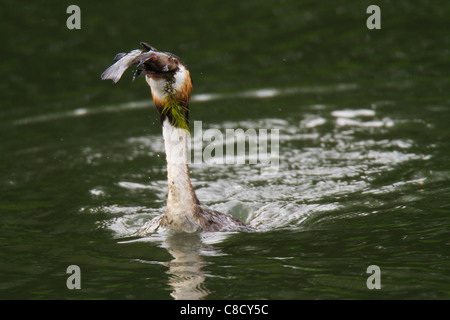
(364, 151)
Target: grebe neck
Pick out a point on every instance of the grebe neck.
(181, 195)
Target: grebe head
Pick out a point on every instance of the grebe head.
(167, 76)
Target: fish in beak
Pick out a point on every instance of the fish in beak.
(148, 60)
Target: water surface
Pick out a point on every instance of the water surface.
(363, 175)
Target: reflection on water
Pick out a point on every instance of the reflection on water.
(186, 269)
(186, 275)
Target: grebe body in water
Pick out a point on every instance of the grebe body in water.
(170, 83)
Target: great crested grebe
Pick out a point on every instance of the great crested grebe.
(170, 83)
